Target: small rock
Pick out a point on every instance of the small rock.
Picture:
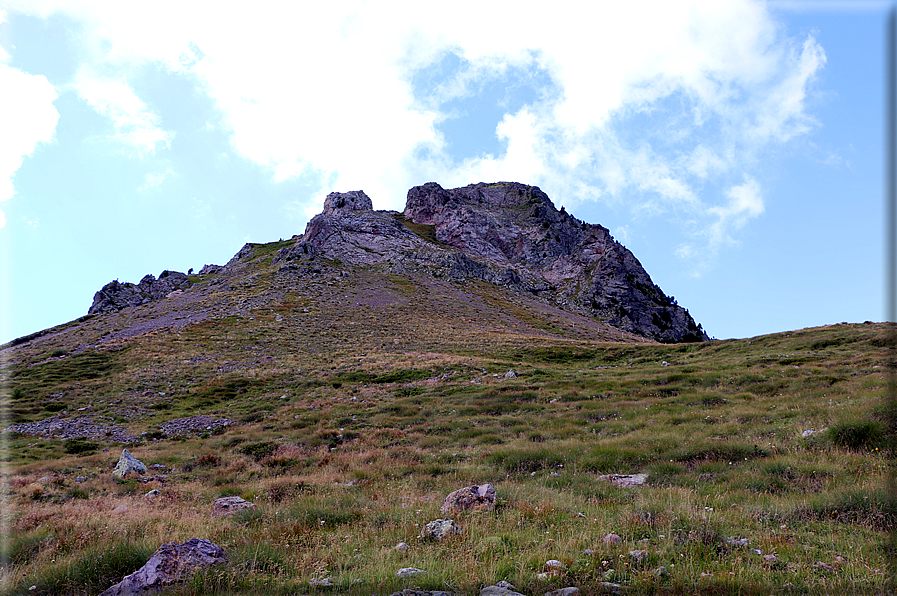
(770, 558)
(824, 566)
(840, 560)
(440, 529)
(120, 509)
(664, 363)
(127, 463)
(409, 571)
(554, 567)
(625, 480)
(638, 555)
(612, 539)
(153, 493)
(511, 374)
(807, 433)
(661, 572)
(587, 552)
(230, 505)
(321, 583)
(471, 497)
(81, 479)
(609, 588)
(757, 551)
(735, 541)
(402, 546)
(498, 591)
(571, 591)
(704, 574)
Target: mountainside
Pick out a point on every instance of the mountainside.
(310, 408)
(505, 234)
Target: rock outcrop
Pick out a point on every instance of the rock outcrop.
(507, 234)
(471, 497)
(116, 296)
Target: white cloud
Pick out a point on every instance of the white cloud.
(136, 127)
(27, 118)
(708, 87)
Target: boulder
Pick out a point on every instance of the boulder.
(230, 505)
(171, 564)
(571, 591)
(612, 538)
(471, 497)
(625, 480)
(346, 202)
(409, 571)
(127, 464)
(440, 529)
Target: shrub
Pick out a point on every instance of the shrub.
(861, 434)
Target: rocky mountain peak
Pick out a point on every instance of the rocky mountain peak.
(346, 202)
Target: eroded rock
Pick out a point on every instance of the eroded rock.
(471, 497)
(128, 464)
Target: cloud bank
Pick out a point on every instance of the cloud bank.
(665, 108)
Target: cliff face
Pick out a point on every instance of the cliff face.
(504, 233)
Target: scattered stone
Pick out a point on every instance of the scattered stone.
(409, 571)
(770, 558)
(127, 464)
(511, 374)
(664, 363)
(402, 546)
(638, 555)
(498, 590)
(172, 563)
(587, 552)
(440, 529)
(609, 588)
(807, 433)
(120, 509)
(153, 494)
(81, 479)
(735, 541)
(704, 574)
(840, 560)
(230, 505)
(625, 480)
(472, 497)
(554, 567)
(571, 591)
(321, 583)
(661, 572)
(612, 539)
(194, 425)
(82, 427)
(757, 552)
(159, 467)
(824, 566)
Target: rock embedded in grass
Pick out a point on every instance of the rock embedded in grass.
(612, 538)
(625, 480)
(230, 505)
(409, 571)
(171, 564)
(128, 464)
(471, 497)
(440, 529)
(569, 591)
(500, 590)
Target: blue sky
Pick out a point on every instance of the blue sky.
(734, 147)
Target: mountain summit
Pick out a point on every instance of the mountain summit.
(504, 233)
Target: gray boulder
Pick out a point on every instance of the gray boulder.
(230, 505)
(471, 497)
(127, 463)
(172, 563)
(344, 202)
(500, 590)
(116, 296)
(440, 529)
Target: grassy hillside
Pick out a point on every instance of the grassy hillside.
(359, 404)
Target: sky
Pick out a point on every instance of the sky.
(734, 147)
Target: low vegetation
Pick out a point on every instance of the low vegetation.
(349, 439)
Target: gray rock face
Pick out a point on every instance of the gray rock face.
(116, 296)
(470, 497)
(127, 464)
(507, 234)
(171, 564)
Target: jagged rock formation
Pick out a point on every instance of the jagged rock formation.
(115, 295)
(504, 233)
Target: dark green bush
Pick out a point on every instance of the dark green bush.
(856, 434)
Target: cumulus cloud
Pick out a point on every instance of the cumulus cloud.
(136, 127)
(27, 118)
(647, 103)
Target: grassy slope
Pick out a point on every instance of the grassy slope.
(362, 400)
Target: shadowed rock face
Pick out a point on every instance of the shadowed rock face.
(115, 295)
(507, 234)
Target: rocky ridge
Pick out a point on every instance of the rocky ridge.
(507, 234)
